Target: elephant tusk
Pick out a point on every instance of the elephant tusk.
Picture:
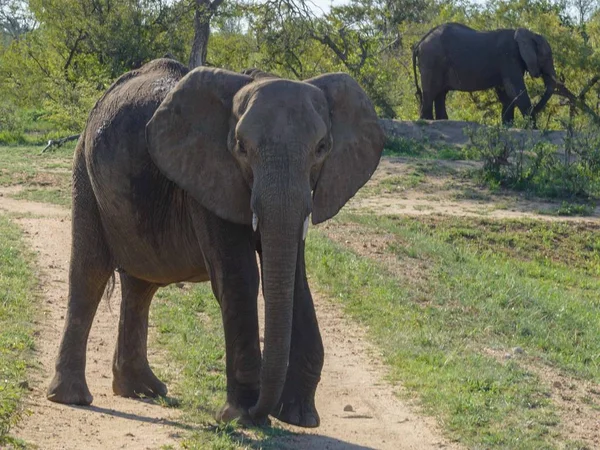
(254, 222)
(305, 229)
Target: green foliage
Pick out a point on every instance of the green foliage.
(66, 56)
(17, 309)
(79, 48)
(524, 162)
(574, 209)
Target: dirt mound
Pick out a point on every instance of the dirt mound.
(455, 133)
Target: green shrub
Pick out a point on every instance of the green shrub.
(403, 147)
(423, 149)
(521, 161)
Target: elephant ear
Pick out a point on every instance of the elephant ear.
(527, 48)
(187, 140)
(357, 144)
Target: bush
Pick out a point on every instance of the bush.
(521, 161)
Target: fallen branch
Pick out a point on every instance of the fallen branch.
(579, 100)
(59, 142)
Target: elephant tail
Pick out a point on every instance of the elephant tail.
(415, 54)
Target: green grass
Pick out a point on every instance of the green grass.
(56, 196)
(189, 327)
(423, 149)
(442, 329)
(571, 209)
(17, 310)
(42, 177)
(553, 245)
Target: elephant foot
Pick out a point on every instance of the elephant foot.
(298, 411)
(137, 383)
(229, 413)
(69, 389)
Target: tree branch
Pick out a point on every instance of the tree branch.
(578, 100)
(60, 142)
(81, 37)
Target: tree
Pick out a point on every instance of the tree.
(204, 12)
(15, 19)
(583, 9)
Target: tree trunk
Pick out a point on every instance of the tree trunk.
(205, 9)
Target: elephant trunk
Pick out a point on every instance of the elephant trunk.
(550, 83)
(281, 227)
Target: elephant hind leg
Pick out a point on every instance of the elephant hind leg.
(132, 376)
(91, 267)
(440, 107)
(427, 106)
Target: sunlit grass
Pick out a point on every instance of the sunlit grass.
(17, 310)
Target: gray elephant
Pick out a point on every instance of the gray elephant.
(454, 57)
(185, 177)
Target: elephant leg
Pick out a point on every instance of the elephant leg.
(440, 107)
(508, 106)
(230, 258)
(427, 106)
(90, 268)
(517, 93)
(132, 376)
(297, 403)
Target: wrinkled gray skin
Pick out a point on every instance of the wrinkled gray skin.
(454, 57)
(167, 177)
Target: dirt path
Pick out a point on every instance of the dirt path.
(448, 195)
(352, 375)
(112, 422)
(353, 379)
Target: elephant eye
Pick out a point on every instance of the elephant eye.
(322, 148)
(241, 148)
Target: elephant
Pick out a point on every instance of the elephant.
(454, 57)
(187, 176)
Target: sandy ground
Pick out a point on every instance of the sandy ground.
(358, 409)
(437, 196)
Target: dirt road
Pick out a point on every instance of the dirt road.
(358, 409)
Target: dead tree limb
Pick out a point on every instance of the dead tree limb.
(578, 101)
(60, 142)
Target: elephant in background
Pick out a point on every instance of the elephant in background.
(454, 57)
(185, 176)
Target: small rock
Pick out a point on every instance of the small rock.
(557, 384)
(518, 350)
(348, 408)
(180, 285)
(507, 356)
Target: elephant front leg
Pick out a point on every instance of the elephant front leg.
(231, 261)
(297, 403)
(243, 360)
(516, 91)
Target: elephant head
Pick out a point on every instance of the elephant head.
(537, 55)
(268, 152)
